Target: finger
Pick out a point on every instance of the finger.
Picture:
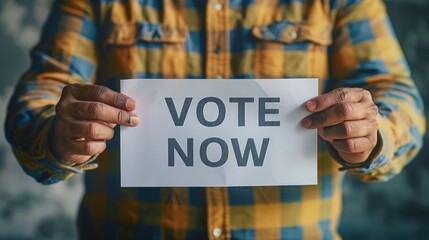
(84, 148)
(349, 129)
(73, 158)
(111, 125)
(354, 158)
(105, 113)
(336, 114)
(97, 93)
(339, 95)
(355, 145)
(86, 129)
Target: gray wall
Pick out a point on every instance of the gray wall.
(398, 209)
(28, 210)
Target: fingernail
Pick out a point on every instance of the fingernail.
(134, 121)
(306, 122)
(130, 105)
(311, 105)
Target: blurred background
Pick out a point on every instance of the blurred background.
(398, 209)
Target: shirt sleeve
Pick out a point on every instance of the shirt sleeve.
(366, 54)
(66, 54)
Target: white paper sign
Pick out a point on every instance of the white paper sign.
(219, 133)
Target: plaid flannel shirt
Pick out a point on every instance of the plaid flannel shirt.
(344, 43)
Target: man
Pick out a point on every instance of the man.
(62, 117)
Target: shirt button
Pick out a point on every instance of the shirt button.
(217, 6)
(217, 232)
(218, 77)
(293, 34)
(217, 50)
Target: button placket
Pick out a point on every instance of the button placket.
(218, 219)
(217, 62)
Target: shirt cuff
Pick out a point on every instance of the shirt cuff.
(74, 167)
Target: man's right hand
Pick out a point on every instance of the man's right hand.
(85, 118)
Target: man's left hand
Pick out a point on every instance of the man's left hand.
(347, 119)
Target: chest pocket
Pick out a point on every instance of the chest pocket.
(290, 49)
(143, 50)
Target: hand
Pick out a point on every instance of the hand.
(346, 118)
(85, 118)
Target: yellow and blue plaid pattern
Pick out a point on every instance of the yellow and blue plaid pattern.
(342, 42)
